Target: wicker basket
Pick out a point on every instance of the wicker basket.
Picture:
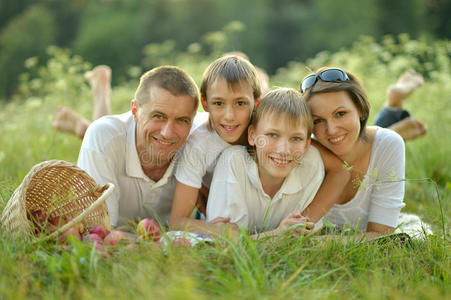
(58, 188)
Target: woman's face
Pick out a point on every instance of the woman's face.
(336, 121)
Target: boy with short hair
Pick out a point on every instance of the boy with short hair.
(266, 187)
(230, 90)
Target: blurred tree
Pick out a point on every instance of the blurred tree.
(402, 16)
(115, 32)
(10, 9)
(112, 33)
(283, 31)
(29, 34)
(333, 24)
(67, 17)
(254, 14)
(439, 12)
(184, 21)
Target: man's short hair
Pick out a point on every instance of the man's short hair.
(171, 78)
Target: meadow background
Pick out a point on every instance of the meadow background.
(270, 269)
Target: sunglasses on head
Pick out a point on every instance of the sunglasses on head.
(325, 75)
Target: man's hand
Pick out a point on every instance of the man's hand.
(220, 220)
(230, 229)
(224, 222)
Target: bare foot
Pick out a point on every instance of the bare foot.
(409, 128)
(406, 84)
(69, 121)
(99, 79)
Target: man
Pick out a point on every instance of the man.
(136, 151)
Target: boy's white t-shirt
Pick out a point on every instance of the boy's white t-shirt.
(381, 192)
(236, 190)
(199, 157)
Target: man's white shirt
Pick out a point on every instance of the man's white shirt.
(108, 154)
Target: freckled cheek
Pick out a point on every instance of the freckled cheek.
(297, 151)
(263, 148)
(318, 130)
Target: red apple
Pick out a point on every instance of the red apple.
(148, 229)
(39, 220)
(52, 228)
(39, 215)
(181, 242)
(99, 230)
(71, 231)
(80, 227)
(56, 221)
(92, 237)
(114, 237)
(99, 246)
(95, 239)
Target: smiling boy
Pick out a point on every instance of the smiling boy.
(266, 187)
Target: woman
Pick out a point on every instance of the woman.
(373, 199)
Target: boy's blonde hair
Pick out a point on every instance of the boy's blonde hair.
(235, 70)
(288, 102)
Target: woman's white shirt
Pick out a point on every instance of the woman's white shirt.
(381, 193)
(236, 190)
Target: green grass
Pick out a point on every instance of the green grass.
(282, 268)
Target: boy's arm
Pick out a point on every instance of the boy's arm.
(191, 168)
(185, 198)
(333, 185)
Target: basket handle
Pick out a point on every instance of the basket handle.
(81, 216)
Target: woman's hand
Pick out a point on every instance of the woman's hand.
(378, 229)
(295, 223)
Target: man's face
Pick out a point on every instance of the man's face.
(162, 126)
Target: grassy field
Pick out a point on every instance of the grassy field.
(269, 269)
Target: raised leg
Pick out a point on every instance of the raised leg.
(100, 80)
(409, 128)
(69, 121)
(393, 116)
(408, 82)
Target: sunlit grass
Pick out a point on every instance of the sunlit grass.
(281, 268)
